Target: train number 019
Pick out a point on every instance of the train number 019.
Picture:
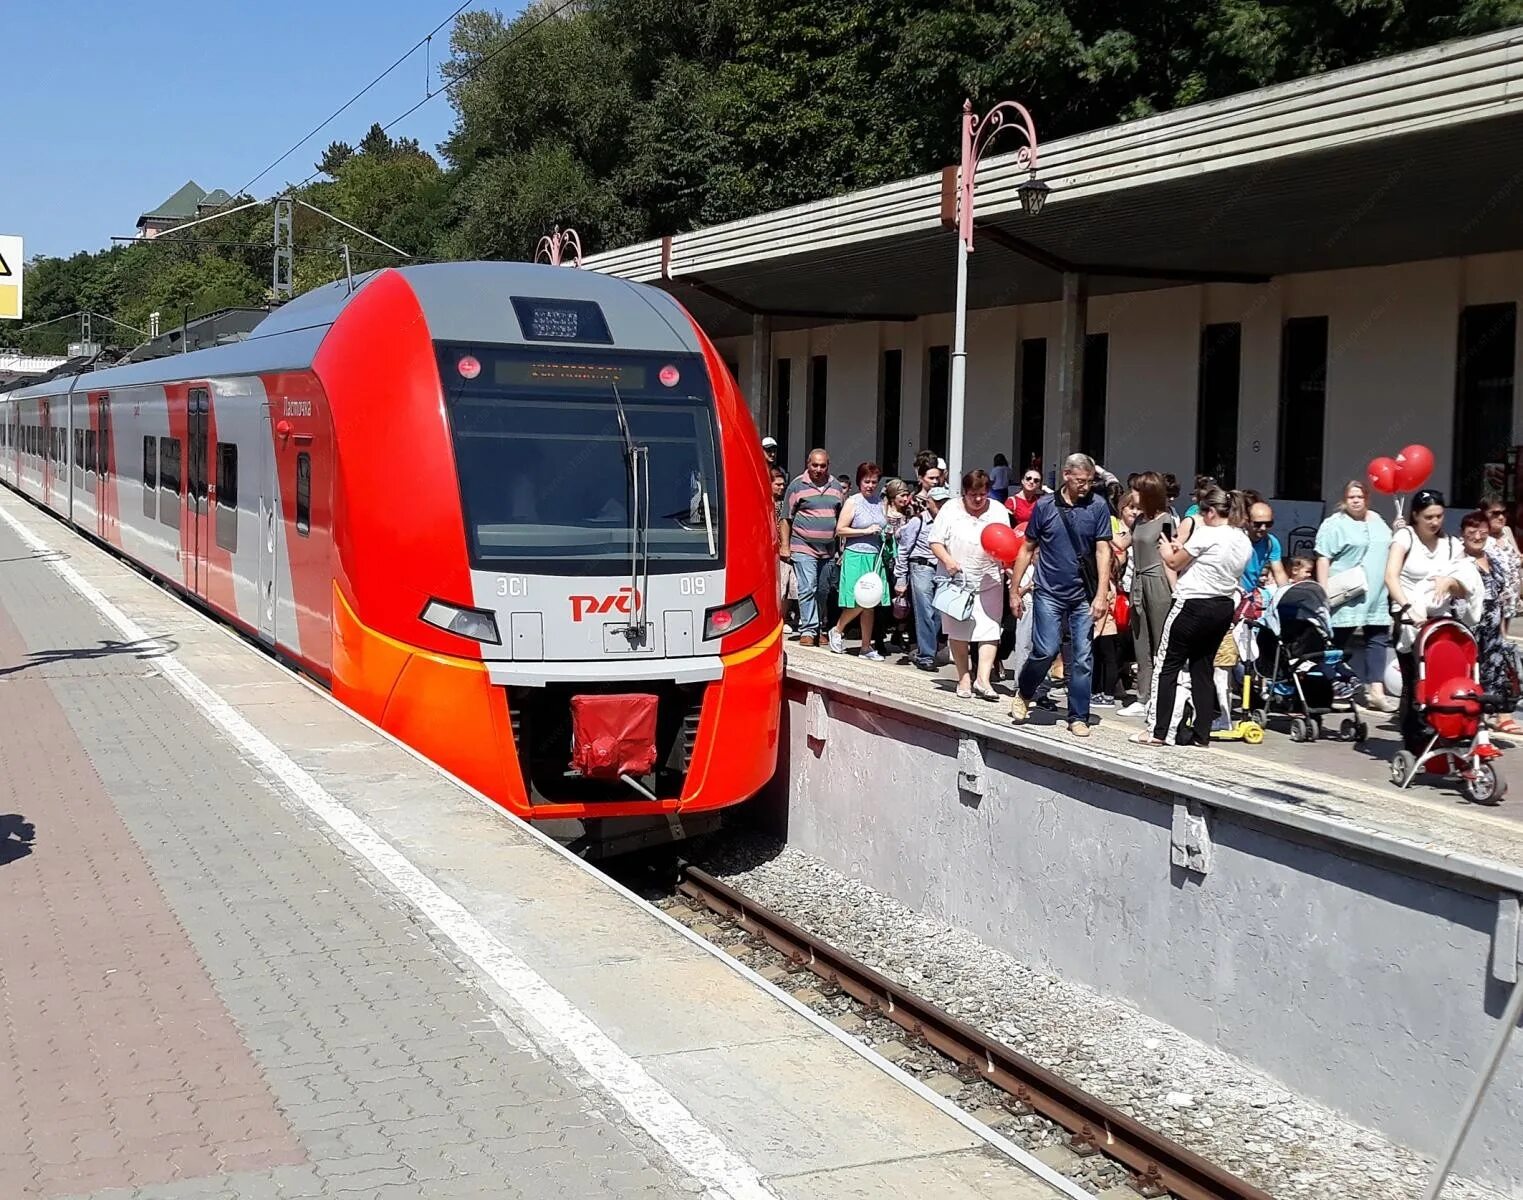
(691, 585)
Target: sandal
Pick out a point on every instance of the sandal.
(965, 693)
(985, 693)
(1145, 739)
(1507, 726)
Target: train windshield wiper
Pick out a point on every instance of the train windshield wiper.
(638, 458)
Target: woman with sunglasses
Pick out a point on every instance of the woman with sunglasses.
(1021, 504)
(1502, 549)
(1420, 580)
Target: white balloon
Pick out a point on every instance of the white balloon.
(1393, 678)
(869, 590)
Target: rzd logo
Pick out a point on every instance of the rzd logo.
(582, 605)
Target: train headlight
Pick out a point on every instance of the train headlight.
(472, 623)
(718, 622)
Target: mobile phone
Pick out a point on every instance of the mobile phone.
(1168, 531)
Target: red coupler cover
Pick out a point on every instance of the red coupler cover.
(613, 735)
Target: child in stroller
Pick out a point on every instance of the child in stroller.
(1300, 674)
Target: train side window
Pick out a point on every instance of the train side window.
(304, 494)
(169, 482)
(89, 460)
(79, 458)
(150, 477)
(227, 496)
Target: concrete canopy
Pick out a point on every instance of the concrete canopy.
(1413, 157)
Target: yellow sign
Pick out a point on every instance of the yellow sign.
(10, 278)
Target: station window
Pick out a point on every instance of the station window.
(1217, 402)
(782, 396)
(1033, 403)
(819, 376)
(1303, 408)
(1093, 392)
(938, 398)
(304, 494)
(889, 409)
(150, 477)
(1483, 399)
(227, 496)
(169, 481)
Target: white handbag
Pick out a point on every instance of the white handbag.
(954, 598)
(1346, 585)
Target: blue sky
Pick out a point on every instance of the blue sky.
(147, 97)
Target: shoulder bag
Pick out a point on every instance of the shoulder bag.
(1350, 583)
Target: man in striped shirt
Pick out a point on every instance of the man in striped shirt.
(811, 506)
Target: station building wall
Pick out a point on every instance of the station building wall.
(1392, 361)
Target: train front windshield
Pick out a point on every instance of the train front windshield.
(544, 463)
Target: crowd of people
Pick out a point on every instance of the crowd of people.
(1115, 598)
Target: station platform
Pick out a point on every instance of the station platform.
(252, 947)
(1335, 783)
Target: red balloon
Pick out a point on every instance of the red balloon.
(1382, 475)
(1000, 543)
(1413, 466)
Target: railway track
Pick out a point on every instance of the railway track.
(1156, 1165)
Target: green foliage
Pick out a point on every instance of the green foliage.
(628, 119)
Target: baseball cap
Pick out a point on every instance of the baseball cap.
(769, 443)
(940, 494)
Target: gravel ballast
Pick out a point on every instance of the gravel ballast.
(1204, 1099)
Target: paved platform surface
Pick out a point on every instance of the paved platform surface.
(250, 948)
(1338, 780)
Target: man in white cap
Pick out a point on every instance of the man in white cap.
(769, 449)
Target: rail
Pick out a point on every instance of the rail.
(1158, 1165)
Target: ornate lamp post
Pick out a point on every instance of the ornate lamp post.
(977, 133)
(553, 246)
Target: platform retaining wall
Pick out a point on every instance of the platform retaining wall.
(1358, 978)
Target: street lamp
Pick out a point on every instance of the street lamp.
(553, 246)
(977, 133)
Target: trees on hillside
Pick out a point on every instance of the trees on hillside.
(633, 118)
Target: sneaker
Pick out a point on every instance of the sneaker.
(1079, 728)
(837, 642)
(809, 639)
(1020, 709)
(1103, 701)
(1135, 709)
(926, 664)
(870, 655)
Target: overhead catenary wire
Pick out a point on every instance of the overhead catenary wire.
(509, 41)
(326, 121)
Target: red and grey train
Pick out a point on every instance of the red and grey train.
(495, 507)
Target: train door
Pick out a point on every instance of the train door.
(198, 537)
(269, 525)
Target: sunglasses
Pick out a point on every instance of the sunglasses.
(1263, 524)
(1426, 499)
(1496, 512)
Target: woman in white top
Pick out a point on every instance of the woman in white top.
(1422, 578)
(957, 542)
(1209, 565)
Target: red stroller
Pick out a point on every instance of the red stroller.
(1447, 694)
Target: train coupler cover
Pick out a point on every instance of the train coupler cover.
(613, 736)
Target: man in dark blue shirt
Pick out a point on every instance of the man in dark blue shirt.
(1070, 535)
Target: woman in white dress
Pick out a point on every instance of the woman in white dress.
(957, 543)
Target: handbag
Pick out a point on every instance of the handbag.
(955, 599)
